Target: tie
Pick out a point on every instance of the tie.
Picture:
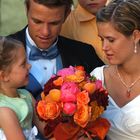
(36, 53)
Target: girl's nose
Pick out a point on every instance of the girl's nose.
(29, 65)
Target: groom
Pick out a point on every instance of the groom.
(48, 52)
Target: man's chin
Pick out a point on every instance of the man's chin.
(43, 45)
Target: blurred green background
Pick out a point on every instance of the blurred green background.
(13, 16)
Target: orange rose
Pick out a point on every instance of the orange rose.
(42, 95)
(48, 110)
(41, 109)
(82, 97)
(58, 81)
(78, 76)
(82, 115)
(55, 94)
(80, 73)
(80, 68)
(52, 110)
(81, 84)
(90, 87)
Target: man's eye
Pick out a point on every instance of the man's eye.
(36, 21)
(55, 23)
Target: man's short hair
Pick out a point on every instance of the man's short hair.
(51, 3)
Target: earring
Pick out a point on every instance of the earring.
(135, 49)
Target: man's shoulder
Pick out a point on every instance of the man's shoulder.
(19, 35)
(64, 41)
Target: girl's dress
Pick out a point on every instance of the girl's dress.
(125, 121)
(24, 110)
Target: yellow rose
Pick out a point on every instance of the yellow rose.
(96, 110)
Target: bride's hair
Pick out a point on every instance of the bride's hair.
(124, 15)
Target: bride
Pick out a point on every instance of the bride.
(119, 29)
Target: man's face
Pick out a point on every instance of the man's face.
(44, 23)
(92, 5)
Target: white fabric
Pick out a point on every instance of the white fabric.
(125, 121)
(29, 134)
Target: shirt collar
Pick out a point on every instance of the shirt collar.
(82, 14)
(33, 43)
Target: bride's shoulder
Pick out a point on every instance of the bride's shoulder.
(99, 70)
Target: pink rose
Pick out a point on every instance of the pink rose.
(98, 84)
(69, 92)
(66, 71)
(69, 108)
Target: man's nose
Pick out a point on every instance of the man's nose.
(45, 30)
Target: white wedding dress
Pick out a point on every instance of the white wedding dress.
(30, 134)
(125, 121)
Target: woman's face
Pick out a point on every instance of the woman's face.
(117, 47)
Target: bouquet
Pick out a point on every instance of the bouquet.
(71, 104)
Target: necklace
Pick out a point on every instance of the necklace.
(128, 87)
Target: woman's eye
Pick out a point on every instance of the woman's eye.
(101, 39)
(110, 39)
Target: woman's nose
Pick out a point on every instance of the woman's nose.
(105, 46)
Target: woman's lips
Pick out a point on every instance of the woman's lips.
(109, 56)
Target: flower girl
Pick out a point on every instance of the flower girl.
(16, 105)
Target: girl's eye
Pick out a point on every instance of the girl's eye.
(24, 63)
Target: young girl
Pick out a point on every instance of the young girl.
(16, 105)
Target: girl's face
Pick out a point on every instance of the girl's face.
(117, 47)
(18, 75)
(92, 5)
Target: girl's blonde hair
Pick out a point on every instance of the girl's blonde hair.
(8, 49)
